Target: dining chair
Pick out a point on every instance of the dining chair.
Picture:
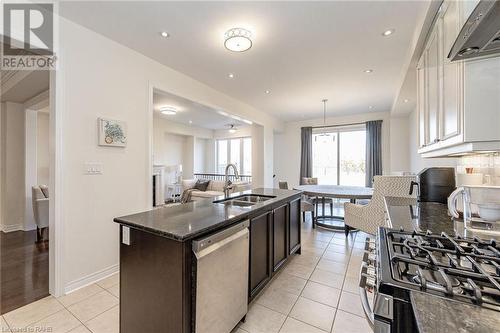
(305, 204)
(314, 200)
(369, 217)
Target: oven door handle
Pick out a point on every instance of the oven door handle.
(364, 299)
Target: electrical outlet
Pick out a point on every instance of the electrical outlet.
(93, 168)
(126, 235)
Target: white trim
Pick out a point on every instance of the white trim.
(30, 164)
(91, 278)
(38, 102)
(56, 212)
(12, 227)
(149, 151)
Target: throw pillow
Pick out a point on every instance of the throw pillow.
(201, 184)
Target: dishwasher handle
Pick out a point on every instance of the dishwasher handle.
(204, 243)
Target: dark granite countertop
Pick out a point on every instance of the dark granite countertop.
(433, 313)
(436, 314)
(193, 219)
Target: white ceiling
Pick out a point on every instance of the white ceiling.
(30, 86)
(199, 115)
(302, 52)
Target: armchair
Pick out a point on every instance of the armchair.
(40, 201)
(369, 217)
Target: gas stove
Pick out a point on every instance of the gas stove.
(397, 262)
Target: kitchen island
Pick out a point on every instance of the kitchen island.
(158, 268)
(434, 313)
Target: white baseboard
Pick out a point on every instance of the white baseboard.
(30, 227)
(12, 227)
(91, 278)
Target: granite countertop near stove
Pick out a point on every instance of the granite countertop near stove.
(436, 314)
(412, 215)
(433, 313)
(193, 219)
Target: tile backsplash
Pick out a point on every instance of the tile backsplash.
(485, 169)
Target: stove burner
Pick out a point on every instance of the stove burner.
(462, 268)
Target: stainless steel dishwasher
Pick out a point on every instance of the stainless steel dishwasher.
(222, 261)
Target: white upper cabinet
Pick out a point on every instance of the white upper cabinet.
(458, 102)
(451, 106)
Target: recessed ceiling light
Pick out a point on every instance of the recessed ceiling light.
(230, 75)
(238, 39)
(388, 32)
(268, 91)
(168, 110)
(190, 121)
(368, 70)
(164, 34)
(406, 100)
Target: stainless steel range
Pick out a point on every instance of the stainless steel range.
(397, 262)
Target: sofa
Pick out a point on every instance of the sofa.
(215, 188)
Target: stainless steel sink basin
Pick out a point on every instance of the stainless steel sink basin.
(253, 198)
(245, 200)
(237, 203)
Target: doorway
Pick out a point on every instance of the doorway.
(24, 188)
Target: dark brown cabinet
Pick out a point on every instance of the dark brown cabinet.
(274, 236)
(294, 226)
(280, 236)
(260, 252)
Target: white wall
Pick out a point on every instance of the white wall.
(200, 155)
(13, 161)
(42, 151)
(287, 145)
(399, 144)
(418, 163)
(210, 156)
(97, 77)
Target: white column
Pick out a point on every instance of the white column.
(31, 166)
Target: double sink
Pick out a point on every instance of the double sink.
(245, 200)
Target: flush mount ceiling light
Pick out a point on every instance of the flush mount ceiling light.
(267, 91)
(238, 39)
(406, 100)
(368, 70)
(388, 32)
(168, 110)
(370, 107)
(230, 75)
(164, 34)
(232, 129)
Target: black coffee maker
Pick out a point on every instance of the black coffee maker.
(434, 184)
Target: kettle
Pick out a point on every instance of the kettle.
(453, 201)
(478, 203)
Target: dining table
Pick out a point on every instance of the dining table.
(321, 192)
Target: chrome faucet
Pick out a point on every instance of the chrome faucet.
(228, 184)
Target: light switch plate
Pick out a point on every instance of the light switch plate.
(126, 235)
(93, 168)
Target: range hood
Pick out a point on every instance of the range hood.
(480, 35)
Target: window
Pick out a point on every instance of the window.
(339, 156)
(236, 151)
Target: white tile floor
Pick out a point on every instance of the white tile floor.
(316, 292)
(90, 309)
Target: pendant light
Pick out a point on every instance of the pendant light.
(325, 137)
